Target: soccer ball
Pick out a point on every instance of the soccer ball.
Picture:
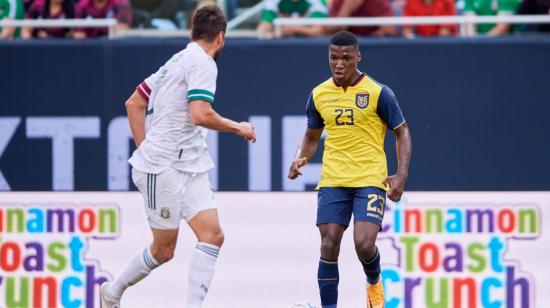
(300, 305)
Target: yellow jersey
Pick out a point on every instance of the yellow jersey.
(355, 121)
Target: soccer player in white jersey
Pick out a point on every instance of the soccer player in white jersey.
(171, 162)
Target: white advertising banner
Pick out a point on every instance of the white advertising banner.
(438, 249)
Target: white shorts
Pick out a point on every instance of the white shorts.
(173, 195)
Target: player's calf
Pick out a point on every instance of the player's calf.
(139, 267)
(327, 275)
(371, 266)
(375, 289)
(328, 278)
(365, 234)
(207, 228)
(366, 249)
(201, 272)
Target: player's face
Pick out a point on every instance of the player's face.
(343, 63)
(220, 42)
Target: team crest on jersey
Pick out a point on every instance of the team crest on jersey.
(165, 212)
(362, 100)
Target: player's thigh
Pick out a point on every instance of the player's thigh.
(161, 197)
(369, 205)
(165, 239)
(334, 206)
(198, 197)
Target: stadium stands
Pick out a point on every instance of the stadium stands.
(274, 18)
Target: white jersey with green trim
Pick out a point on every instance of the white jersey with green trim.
(172, 139)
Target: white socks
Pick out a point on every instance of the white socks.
(140, 266)
(201, 271)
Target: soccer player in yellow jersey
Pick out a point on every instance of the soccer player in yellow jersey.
(355, 110)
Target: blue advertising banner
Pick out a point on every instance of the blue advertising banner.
(477, 110)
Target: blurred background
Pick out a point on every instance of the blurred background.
(268, 19)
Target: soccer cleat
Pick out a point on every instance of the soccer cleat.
(375, 295)
(107, 302)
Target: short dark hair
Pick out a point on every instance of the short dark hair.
(207, 23)
(344, 38)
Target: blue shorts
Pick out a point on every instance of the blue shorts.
(336, 204)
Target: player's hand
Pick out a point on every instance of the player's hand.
(397, 185)
(294, 171)
(246, 130)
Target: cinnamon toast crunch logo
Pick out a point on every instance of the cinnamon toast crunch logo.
(452, 255)
(45, 249)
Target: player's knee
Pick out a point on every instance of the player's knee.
(330, 248)
(163, 254)
(214, 238)
(218, 238)
(365, 248)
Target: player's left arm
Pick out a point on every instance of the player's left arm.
(201, 81)
(389, 111)
(403, 147)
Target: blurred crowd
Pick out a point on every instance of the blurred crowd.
(174, 14)
(386, 8)
(165, 14)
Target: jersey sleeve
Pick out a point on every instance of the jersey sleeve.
(314, 119)
(201, 81)
(270, 11)
(12, 8)
(318, 9)
(469, 6)
(388, 109)
(507, 6)
(145, 87)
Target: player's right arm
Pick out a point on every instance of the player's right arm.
(310, 141)
(305, 151)
(203, 114)
(136, 108)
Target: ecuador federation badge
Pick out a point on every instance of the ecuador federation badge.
(362, 100)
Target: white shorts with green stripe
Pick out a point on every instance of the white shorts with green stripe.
(173, 195)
